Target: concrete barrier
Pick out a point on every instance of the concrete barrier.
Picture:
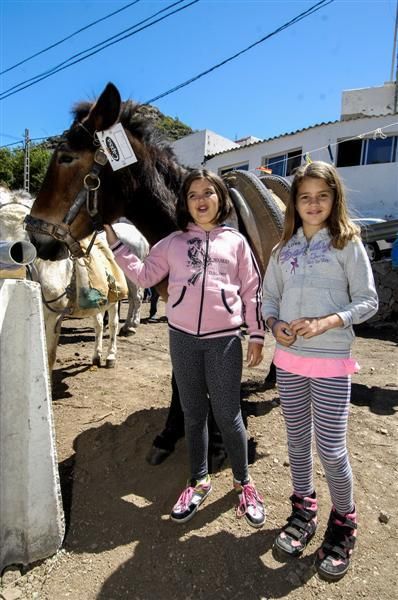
(31, 514)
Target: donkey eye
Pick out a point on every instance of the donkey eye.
(65, 159)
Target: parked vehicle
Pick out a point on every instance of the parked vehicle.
(380, 248)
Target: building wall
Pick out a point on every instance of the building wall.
(191, 149)
(372, 189)
(368, 101)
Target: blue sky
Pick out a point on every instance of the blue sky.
(290, 81)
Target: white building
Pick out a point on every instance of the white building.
(363, 145)
(191, 149)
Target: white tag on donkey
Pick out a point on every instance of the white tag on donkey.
(116, 146)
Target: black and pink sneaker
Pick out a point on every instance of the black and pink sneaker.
(333, 557)
(299, 529)
(190, 499)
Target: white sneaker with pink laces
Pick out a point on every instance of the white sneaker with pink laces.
(190, 499)
(251, 504)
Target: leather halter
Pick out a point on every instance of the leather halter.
(88, 196)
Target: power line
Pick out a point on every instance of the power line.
(66, 62)
(68, 37)
(11, 91)
(293, 21)
(12, 144)
(36, 139)
(360, 136)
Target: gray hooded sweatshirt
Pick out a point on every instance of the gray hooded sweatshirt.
(313, 279)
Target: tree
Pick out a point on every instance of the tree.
(12, 167)
(6, 167)
(39, 160)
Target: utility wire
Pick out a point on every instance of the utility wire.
(293, 21)
(68, 37)
(11, 91)
(65, 62)
(360, 136)
(12, 144)
(21, 141)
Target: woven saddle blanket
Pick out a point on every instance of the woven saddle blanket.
(99, 279)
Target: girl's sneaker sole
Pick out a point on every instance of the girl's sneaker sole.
(255, 525)
(282, 555)
(327, 575)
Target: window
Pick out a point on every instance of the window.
(368, 151)
(293, 161)
(349, 153)
(243, 167)
(380, 151)
(284, 164)
(276, 164)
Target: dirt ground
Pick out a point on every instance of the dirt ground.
(120, 542)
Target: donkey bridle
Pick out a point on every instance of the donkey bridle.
(88, 195)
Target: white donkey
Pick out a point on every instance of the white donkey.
(130, 235)
(58, 282)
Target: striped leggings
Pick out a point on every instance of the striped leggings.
(211, 367)
(318, 405)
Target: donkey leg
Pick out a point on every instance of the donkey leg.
(164, 443)
(98, 323)
(52, 336)
(113, 327)
(133, 312)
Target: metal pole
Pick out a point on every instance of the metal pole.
(26, 172)
(394, 46)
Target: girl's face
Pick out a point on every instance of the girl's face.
(203, 203)
(314, 204)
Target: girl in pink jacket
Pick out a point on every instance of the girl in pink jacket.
(214, 287)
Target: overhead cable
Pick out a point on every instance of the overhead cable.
(293, 21)
(68, 37)
(360, 136)
(375, 133)
(68, 63)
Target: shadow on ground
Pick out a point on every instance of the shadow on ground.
(119, 500)
(381, 401)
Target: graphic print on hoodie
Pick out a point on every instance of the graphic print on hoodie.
(196, 259)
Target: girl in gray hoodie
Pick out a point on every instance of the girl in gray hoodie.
(318, 284)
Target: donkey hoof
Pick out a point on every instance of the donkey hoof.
(156, 455)
(110, 363)
(96, 362)
(127, 332)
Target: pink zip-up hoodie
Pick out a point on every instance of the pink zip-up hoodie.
(214, 282)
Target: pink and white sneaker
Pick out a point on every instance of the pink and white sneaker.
(251, 504)
(190, 499)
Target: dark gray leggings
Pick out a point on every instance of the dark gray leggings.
(210, 366)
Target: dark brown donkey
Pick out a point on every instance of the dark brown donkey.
(145, 192)
(81, 191)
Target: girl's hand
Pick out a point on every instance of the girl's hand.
(282, 333)
(111, 236)
(310, 327)
(254, 354)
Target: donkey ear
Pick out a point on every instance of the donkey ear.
(105, 111)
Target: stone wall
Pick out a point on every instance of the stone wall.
(386, 279)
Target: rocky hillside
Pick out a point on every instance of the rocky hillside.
(171, 128)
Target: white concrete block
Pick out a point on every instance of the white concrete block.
(31, 514)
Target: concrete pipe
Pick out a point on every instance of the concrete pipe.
(16, 253)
